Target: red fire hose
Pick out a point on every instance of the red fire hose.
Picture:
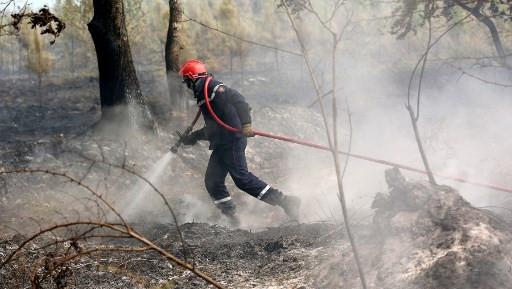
(326, 148)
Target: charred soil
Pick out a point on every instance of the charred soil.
(421, 236)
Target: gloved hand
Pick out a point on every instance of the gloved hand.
(247, 130)
(188, 140)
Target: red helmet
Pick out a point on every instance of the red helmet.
(193, 69)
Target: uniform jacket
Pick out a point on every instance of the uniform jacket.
(229, 105)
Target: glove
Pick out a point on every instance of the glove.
(188, 140)
(247, 130)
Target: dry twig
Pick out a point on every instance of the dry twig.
(124, 167)
(333, 145)
(491, 82)
(120, 230)
(415, 116)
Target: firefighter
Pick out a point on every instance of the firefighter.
(228, 148)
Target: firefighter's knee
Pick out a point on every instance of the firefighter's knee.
(242, 181)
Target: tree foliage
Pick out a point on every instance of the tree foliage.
(412, 14)
(44, 19)
(40, 60)
(76, 50)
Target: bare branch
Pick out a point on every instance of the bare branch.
(414, 117)
(428, 50)
(123, 231)
(87, 171)
(126, 168)
(318, 98)
(424, 64)
(72, 180)
(463, 72)
(349, 147)
(420, 145)
(53, 228)
(311, 72)
(333, 145)
(468, 58)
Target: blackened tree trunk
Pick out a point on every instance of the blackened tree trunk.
(2, 60)
(171, 56)
(72, 58)
(120, 92)
(240, 51)
(477, 13)
(21, 61)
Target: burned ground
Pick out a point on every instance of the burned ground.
(428, 238)
(279, 256)
(421, 236)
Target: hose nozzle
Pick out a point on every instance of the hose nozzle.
(176, 146)
(181, 136)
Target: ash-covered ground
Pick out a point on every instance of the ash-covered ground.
(421, 237)
(417, 235)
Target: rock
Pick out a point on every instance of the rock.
(433, 238)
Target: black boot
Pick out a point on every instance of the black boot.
(290, 204)
(228, 209)
(233, 221)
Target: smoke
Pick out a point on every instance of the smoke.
(463, 121)
(464, 124)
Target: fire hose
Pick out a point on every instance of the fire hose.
(174, 148)
(326, 148)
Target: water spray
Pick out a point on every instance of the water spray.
(141, 188)
(139, 192)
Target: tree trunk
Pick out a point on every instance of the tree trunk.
(276, 58)
(171, 55)
(39, 90)
(11, 62)
(240, 51)
(495, 36)
(424, 158)
(120, 92)
(242, 67)
(496, 39)
(2, 66)
(20, 63)
(231, 64)
(72, 60)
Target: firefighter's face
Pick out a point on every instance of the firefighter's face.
(189, 82)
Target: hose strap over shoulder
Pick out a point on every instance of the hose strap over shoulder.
(213, 93)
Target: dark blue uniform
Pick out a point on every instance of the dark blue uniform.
(228, 148)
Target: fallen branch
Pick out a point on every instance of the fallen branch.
(72, 180)
(122, 229)
(126, 168)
